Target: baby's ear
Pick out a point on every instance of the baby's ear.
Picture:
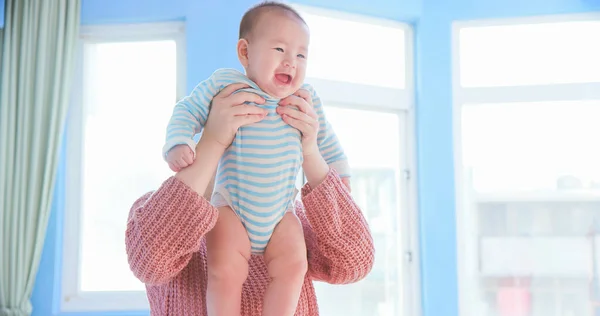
(242, 52)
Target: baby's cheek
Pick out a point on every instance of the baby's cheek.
(301, 70)
(295, 87)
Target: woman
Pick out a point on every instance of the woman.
(167, 228)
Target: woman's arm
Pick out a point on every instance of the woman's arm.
(338, 239)
(166, 227)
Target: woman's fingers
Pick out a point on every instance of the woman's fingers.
(300, 125)
(301, 100)
(296, 114)
(305, 95)
(246, 109)
(229, 104)
(294, 100)
(244, 96)
(304, 123)
(227, 91)
(247, 119)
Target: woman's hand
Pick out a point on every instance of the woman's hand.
(229, 111)
(297, 110)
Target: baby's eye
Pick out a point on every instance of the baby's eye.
(301, 56)
(279, 49)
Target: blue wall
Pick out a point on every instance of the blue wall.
(432, 21)
(131, 11)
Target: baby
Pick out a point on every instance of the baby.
(255, 181)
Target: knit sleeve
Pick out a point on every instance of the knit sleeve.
(164, 229)
(338, 239)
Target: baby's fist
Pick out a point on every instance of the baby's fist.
(180, 157)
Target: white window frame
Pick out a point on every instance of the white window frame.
(465, 220)
(71, 298)
(389, 100)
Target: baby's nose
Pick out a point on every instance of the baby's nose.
(289, 63)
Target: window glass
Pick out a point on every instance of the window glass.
(129, 94)
(375, 187)
(530, 54)
(356, 52)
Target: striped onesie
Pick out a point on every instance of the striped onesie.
(257, 174)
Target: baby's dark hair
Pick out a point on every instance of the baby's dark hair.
(253, 14)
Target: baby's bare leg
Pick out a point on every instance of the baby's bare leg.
(287, 264)
(228, 252)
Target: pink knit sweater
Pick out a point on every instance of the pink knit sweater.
(166, 247)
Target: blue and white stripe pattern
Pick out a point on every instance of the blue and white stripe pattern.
(257, 174)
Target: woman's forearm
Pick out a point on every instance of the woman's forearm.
(199, 175)
(315, 168)
(166, 227)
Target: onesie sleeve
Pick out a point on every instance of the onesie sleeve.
(189, 116)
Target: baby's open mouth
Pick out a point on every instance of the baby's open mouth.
(283, 78)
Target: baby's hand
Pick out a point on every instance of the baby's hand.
(180, 157)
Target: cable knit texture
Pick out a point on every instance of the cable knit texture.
(166, 247)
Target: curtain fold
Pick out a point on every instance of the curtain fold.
(36, 65)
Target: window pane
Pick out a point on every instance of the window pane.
(531, 208)
(375, 187)
(130, 89)
(340, 48)
(532, 146)
(529, 54)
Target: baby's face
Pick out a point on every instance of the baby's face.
(277, 53)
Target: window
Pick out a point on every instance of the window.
(370, 106)
(527, 54)
(528, 179)
(334, 36)
(130, 77)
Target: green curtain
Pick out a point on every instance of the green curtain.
(38, 47)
